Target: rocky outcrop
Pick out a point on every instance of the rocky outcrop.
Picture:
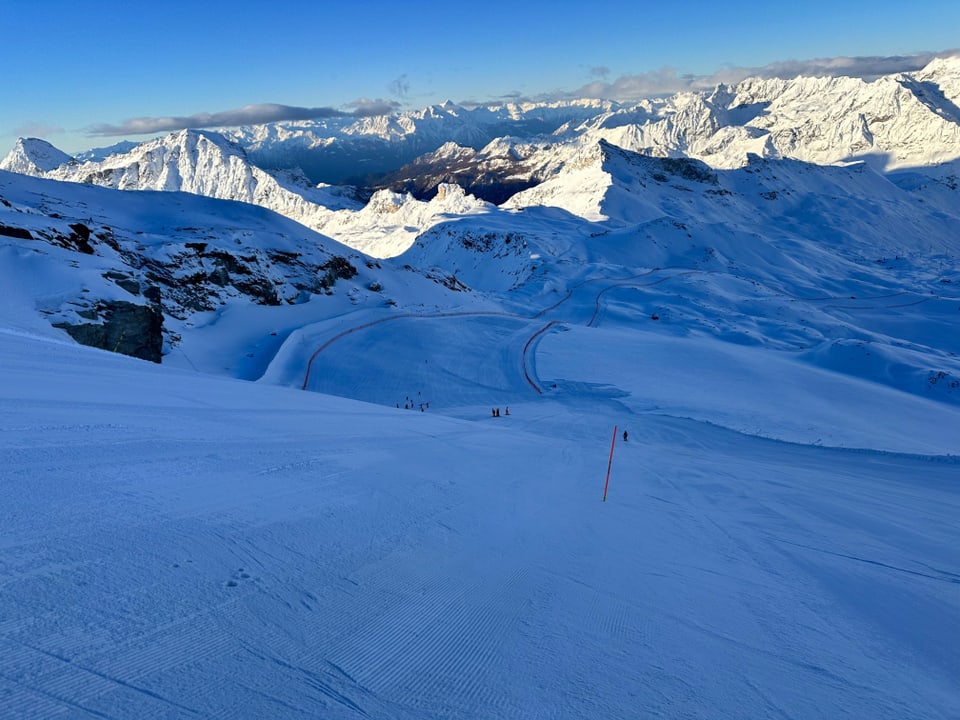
(122, 327)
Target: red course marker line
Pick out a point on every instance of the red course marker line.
(610, 463)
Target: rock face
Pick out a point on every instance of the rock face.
(124, 327)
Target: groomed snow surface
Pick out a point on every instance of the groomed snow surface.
(778, 541)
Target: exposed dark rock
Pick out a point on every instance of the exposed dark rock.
(80, 238)
(107, 237)
(448, 281)
(219, 277)
(261, 290)
(126, 328)
(494, 179)
(337, 267)
(153, 294)
(15, 232)
(689, 169)
(229, 262)
(124, 280)
(282, 256)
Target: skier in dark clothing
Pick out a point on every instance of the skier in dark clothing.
(624, 435)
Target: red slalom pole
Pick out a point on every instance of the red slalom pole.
(610, 464)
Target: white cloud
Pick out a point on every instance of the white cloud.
(248, 115)
(366, 107)
(667, 80)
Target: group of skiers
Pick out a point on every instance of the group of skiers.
(410, 404)
(495, 412)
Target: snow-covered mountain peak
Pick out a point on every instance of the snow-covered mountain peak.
(452, 151)
(945, 71)
(453, 199)
(447, 192)
(32, 156)
(894, 121)
(392, 221)
(603, 181)
(910, 120)
(387, 202)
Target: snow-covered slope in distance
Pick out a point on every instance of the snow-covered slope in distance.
(204, 163)
(837, 264)
(197, 162)
(895, 121)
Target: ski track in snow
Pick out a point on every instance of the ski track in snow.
(269, 575)
(610, 285)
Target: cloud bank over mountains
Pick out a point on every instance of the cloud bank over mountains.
(247, 115)
(667, 81)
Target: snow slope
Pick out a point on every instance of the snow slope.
(181, 545)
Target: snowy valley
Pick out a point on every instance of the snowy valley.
(295, 498)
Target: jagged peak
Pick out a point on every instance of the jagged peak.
(445, 190)
(452, 197)
(191, 137)
(451, 149)
(181, 140)
(33, 156)
(387, 201)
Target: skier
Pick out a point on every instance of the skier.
(506, 410)
(624, 435)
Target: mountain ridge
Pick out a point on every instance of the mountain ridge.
(893, 123)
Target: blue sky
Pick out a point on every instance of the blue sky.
(76, 72)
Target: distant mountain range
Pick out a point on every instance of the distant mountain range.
(909, 121)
